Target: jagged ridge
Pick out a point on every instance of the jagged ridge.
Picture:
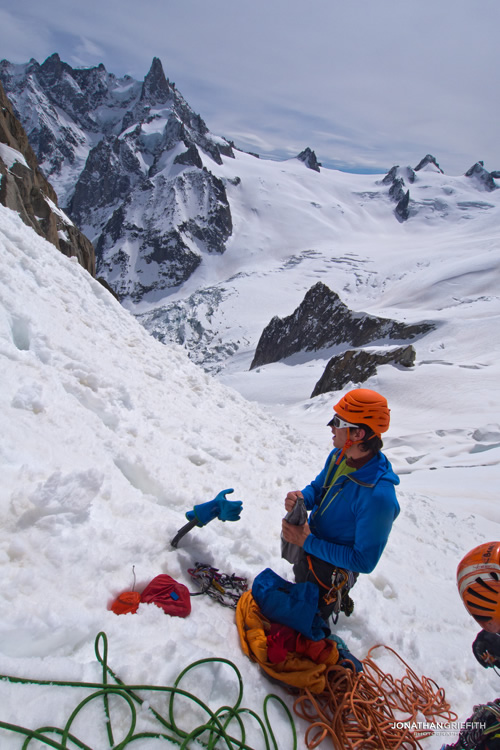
(321, 321)
(24, 189)
(134, 193)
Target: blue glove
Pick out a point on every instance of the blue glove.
(219, 507)
(230, 510)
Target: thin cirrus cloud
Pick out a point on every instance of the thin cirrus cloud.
(364, 84)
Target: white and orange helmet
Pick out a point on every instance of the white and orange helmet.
(478, 580)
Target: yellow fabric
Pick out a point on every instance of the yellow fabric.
(342, 469)
(295, 670)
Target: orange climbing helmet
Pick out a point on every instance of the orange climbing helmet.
(363, 406)
(478, 580)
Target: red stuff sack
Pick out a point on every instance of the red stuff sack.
(171, 596)
(126, 602)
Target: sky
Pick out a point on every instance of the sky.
(364, 84)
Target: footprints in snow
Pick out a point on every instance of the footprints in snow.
(62, 500)
(21, 333)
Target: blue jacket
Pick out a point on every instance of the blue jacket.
(350, 525)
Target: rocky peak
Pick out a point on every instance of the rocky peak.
(428, 160)
(399, 173)
(321, 321)
(309, 158)
(156, 88)
(53, 68)
(485, 178)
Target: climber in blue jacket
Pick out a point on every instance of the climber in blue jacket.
(352, 501)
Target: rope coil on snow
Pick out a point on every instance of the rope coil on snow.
(357, 711)
(216, 726)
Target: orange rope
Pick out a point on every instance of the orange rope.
(356, 711)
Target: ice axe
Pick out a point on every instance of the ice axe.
(219, 507)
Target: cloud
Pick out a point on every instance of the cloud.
(85, 49)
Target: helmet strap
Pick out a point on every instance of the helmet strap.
(348, 444)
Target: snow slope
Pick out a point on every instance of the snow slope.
(109, 437)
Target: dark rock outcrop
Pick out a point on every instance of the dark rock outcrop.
(391, 175)
(399, 173)
(190, 158)
(485, 178)
(356, 366)
(309, 158)
(321, 321)
(428, 159)
(24, 189)
(402, 210)
(397, 189)
(398, 193)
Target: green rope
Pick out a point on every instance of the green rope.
(212, 731)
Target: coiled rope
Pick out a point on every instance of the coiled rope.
(209, 733)
(357, 711)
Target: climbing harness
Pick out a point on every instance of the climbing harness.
(357, 710)
(223, 587)
(337, 592)
(215, 726)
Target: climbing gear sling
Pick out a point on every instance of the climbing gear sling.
(223, 587)
(481, 730)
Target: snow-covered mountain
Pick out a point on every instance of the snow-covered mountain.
(206, 243)
(124, 160)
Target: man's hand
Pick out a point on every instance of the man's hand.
(291, 499)
(295, 534)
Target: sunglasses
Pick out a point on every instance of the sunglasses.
(339, 423)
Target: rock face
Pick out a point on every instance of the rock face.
(129, 163)
(321, 321)
(24, 189)
(356, 366)
(398, 192)
(309, 159)
(484, 178)
(428, 160)
(402, 210)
